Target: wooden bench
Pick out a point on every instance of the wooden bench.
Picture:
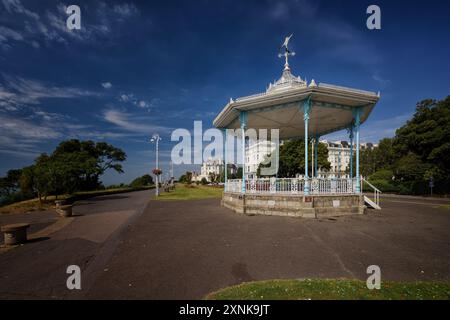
(15, 233)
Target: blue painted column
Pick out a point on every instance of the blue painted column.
(225, 176)
(357, 125)
(243, 121)
(306, 111)
(316, 150)
(351, 150)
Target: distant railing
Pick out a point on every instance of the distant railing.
(317, 186)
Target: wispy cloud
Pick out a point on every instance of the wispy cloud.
(15, 6)
(133, 122)
(50, 26)
(125, 10)
(17, 92)
(26, 135)
(383, 82)
(7, 34)
(21, 137)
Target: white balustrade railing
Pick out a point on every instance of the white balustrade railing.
(233, 185)
(317, 186)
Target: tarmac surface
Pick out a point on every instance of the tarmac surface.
(187, 249)
(37, 270)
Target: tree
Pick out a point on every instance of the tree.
(10, 183)
(186, 177)
(238, 173)
(373, 159)
(145, 180)
(90, 160)
(213, 177)
(424, 142)
(37, 179)
(292, 158)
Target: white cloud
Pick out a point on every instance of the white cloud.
(126, 97)
(383, 82)
(20, 91)
(6, 33)
(132, 123)
(142, 104)
(51, 26)
(107, 85)
(132, 99)
(15, 6)
(18, 128)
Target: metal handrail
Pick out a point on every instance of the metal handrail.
(376, 191)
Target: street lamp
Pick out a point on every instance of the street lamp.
(156, 138)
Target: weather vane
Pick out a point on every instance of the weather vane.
(284, 51)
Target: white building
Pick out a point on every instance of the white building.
(255, 154)
(339, 157)
(212, 167)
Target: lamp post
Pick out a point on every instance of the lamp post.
(156, 138)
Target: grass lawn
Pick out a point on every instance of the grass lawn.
(33, 204)
(445, 206)
(339, 289)
(191, 192)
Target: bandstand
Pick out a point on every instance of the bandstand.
(298, 110)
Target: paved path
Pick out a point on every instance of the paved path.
(38, 269)
(179, 250)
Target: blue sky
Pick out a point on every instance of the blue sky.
(139, 67)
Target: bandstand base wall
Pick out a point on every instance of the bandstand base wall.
(314, 206)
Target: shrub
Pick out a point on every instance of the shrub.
(383, 185)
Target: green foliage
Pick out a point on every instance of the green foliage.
(73, 166)
(10, 183)
(383, 174)
(374, 159)
(186, 178)
(419, 151)
(292, 158)
(204, 181)
(145, 180)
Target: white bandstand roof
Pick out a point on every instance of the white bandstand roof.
(281, 107)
